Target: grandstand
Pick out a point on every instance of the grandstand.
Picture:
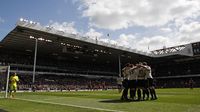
(70, 60)
(62, 54)
(174, 66)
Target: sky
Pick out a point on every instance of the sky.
(144, 25)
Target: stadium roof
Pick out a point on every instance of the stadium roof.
(54, 42)
(185, 50)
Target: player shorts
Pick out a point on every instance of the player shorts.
(133, 83)
(141, 83)
(146, 83)
(13, 87)
(125, 83)
(150, 82)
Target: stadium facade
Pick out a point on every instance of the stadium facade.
(64, 54)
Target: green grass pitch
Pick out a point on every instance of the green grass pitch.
(169, 100)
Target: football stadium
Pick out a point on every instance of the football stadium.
(62, 72)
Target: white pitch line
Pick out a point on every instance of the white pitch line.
(71, 105)
(53, 98)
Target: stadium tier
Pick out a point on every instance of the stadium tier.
(70, 57)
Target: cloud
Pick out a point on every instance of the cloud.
(163, 23)
(166, 29)
(64, 26)
(69, 27)
(186, 33)
(127, 40)
(122, 14)
(174, 22)
(189, 33)
(142, 43)
(93, 34)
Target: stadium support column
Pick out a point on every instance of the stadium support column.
(35, 58)
(119, 65)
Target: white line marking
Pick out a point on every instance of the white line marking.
(71, 105)
(53, 98)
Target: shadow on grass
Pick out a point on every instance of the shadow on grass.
(1, 110)
(118, 101)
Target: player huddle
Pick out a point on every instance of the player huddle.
(139, 80)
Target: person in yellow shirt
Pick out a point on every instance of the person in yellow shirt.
(13, 84)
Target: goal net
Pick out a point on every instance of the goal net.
(4, 81)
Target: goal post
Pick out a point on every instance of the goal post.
(4, 81)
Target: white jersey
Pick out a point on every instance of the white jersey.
(126, 72)
(148, 72)
(133, 73)
(141, 73)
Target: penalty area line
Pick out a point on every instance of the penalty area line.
(71, 105)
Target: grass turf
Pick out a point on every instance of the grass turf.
(169, 100)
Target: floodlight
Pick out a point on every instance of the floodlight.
(62, 43)
(41, 39)
(31, 37)
(25, 20)
(21, 19)
(48, 40)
